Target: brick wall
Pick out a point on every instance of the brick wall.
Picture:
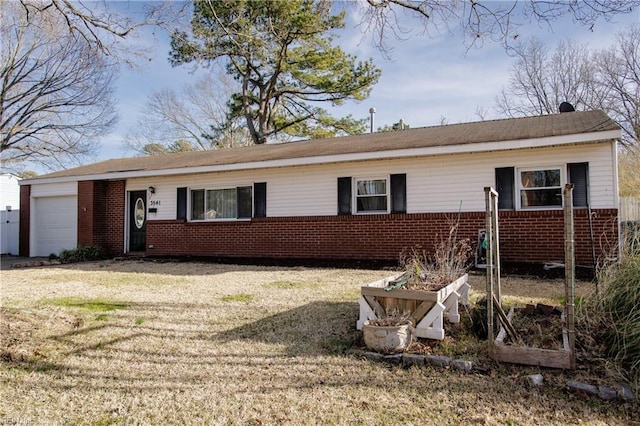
(91, 213)
(524, 236)
(101, 217)
(25, 220)
(115, 199)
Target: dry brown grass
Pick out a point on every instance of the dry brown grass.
(197, 343)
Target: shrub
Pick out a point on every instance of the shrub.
(82, 254)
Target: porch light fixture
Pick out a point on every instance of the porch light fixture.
(152, 189)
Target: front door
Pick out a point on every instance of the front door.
(137, 220)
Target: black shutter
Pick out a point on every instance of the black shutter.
(244, 202)
(505, 187)
(260, 199)
(399, 193)
(344, 195)
(579, 177)
(181, 210)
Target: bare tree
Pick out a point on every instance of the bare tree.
(619, 77)
(55, 93)
(481, 20)
(103, 25)
(609, 80)
(629, 172)
(540, 81)
(194, 118)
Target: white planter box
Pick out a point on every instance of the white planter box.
(427, 308)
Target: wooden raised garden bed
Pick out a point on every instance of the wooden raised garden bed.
(553, 358)
(427, 308)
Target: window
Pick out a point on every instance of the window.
(227, 203)
(379, 195)
(540, 187)
(371, 195)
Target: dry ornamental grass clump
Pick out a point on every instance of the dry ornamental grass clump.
(609, 321)
(449, 261)
(392, 319)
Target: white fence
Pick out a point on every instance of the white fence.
(629, 209)
(9, 231)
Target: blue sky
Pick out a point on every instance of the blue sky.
(430, 79)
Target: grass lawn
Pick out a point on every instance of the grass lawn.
(134, 342)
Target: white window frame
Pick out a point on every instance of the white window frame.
(222, 219)
(354, 200)
(519, 187)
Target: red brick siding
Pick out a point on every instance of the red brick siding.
(101, 221)
(91, 213)
(524, 236)
(115, 200)
(25, 220)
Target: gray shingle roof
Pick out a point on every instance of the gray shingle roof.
(424, 137)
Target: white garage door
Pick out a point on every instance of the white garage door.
(55, 225)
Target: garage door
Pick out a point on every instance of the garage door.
(55, 225)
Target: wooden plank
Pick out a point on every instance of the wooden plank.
(506, 321)
(366, 313)
(452, 307)
(532, 356)
(434, 296)
(431, 326)
(375, 306)
(399, 294)
(421, 311)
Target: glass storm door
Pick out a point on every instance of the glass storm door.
(137, 220)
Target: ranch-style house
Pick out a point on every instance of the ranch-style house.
(364, 197)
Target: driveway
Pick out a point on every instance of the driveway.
(7, 261)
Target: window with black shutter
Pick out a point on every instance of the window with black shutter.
(260, 199)
(244, 202)
(578, 175)
(505, 187)
(399, 193)
(181, 210)
(344, 195)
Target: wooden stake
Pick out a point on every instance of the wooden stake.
(569, 269)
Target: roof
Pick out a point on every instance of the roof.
(464, 136)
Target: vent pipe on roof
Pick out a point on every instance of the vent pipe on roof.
(372, 111)
(566, 107)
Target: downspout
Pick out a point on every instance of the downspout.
(616, 196)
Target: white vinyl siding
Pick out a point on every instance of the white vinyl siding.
(443, 183)
(54, 189)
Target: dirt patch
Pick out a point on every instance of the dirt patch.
(538, 326)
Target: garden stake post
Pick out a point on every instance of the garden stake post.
(494, 300)
(569, 270)
(492, 256)
(489, 260)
